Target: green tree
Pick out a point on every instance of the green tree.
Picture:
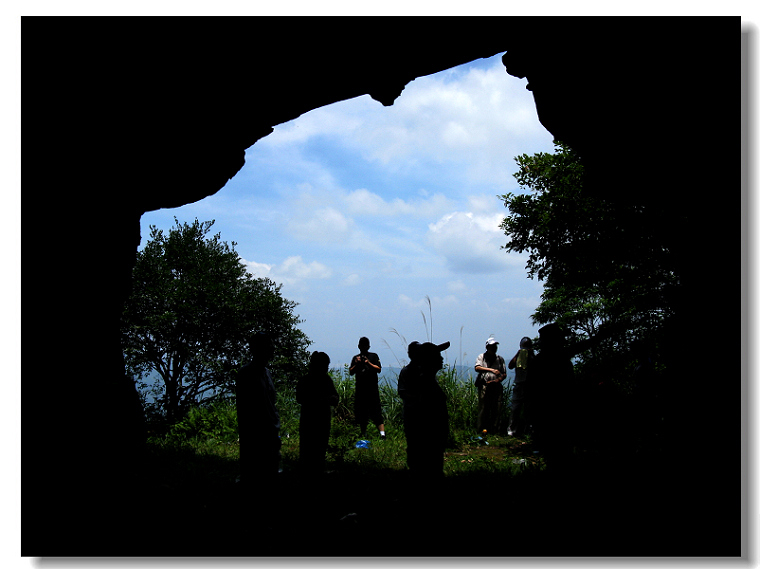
(608, 279)
(193, 308)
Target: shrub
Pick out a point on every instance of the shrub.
(289, 410)
(216, 422)
(461, 399)
(392, 405)
(345, 385)
(211, 431)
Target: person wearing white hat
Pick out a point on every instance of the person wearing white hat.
(492, 370)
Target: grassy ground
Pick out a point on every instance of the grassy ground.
(495, 499)
(364, 496)
(213, 463)
(498, 499)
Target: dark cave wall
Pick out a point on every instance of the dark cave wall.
(652, 106)
(126, 116)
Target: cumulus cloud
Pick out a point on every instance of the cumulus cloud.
(353, 279)
(295, 268)
(360, 219)
(364, 202)
(292, 271)
(471, 243)
(484, 204)
(359, 197)
(328, 120)
(326, 225)
(467, 124)
(258, 270)
(479, 122)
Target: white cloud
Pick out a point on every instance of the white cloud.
(483, 203)
(258, 270)
(295, 268)
(335, 119)
(361, 220)
(326, 225)
(457, 125)
(471, 243)
(406, 301)
(353, 279)
(350, 205)
(366, 203)
(292, 271)
(477, 124)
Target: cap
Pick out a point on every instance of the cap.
(552, 329)
(416, 349)
(491, 341)
(437, 347)
(551, 333)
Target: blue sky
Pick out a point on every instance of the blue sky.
(362, 211)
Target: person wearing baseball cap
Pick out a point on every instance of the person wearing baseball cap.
(426, 418)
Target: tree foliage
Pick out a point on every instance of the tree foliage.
(608, 278)
(193, 308)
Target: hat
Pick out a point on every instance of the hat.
(551, 333)
(552, 330)
(416, 349)
(491, 340)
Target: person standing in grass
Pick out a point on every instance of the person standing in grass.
(316, 394)
(552, 395)
(258, 419)
(426, 417)
(491, 372)
(520, 363)
(365, 366)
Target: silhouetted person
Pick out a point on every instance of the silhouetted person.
(258, 419)
(552, 397)
(317, 394)
(521, 362)
(365, 366)
(426, 418)
(491, 372)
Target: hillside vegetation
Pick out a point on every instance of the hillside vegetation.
(365, 501)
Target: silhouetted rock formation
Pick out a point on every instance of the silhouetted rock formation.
(124, 116)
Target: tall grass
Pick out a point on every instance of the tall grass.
(218, 422)
(211, 432)
(461, 396)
